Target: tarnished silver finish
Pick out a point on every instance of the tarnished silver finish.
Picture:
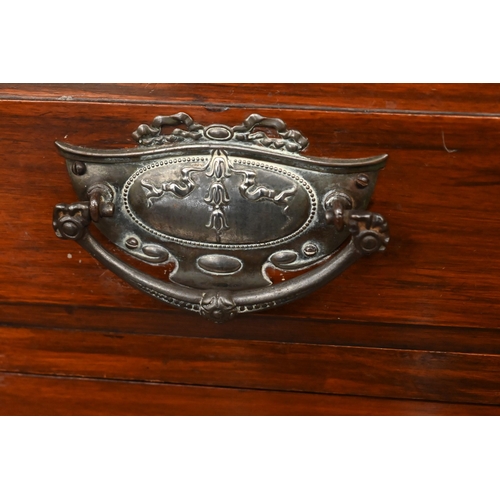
(223, 205)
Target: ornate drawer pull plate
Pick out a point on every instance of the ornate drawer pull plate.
(221, 205)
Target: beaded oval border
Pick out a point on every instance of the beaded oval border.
(224, 246)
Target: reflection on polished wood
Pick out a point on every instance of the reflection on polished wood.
(417, 334)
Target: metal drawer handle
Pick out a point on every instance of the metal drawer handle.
(222, 205)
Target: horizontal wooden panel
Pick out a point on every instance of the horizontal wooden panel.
(438, 192)
(454, 98)
(389, 373)
(27, 395)
(271, 325)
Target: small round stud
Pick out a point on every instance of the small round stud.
(70, 228)
(132, 243)
(78, 168)
(310, 249)
(362, 181)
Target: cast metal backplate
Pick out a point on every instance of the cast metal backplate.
(222, 205)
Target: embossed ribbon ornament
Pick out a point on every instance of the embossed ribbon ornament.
(222, 205)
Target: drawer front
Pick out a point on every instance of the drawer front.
(413, 330)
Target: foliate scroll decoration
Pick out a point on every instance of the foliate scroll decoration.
(219, 169)
(150, 135)
(218, 306)
(289, 140)
(216, 206)
(253, 191)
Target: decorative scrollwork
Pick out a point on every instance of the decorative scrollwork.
(150, 135)
(290, 140)
(179, 189)
(218, 170)
(216, 206)
(252, 191)
(218, 306)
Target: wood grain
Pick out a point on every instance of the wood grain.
(388, 373)
(444, 256)
(167, 321)
(415, 330)
(390, 98)
(27, 395)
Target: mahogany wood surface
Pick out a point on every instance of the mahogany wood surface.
(435, 98)
(34, 395)
(270, 326)
(444, 255)
(415, 374)
(419, 322)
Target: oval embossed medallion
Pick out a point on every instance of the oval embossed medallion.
(219, 264)
(219, 201)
